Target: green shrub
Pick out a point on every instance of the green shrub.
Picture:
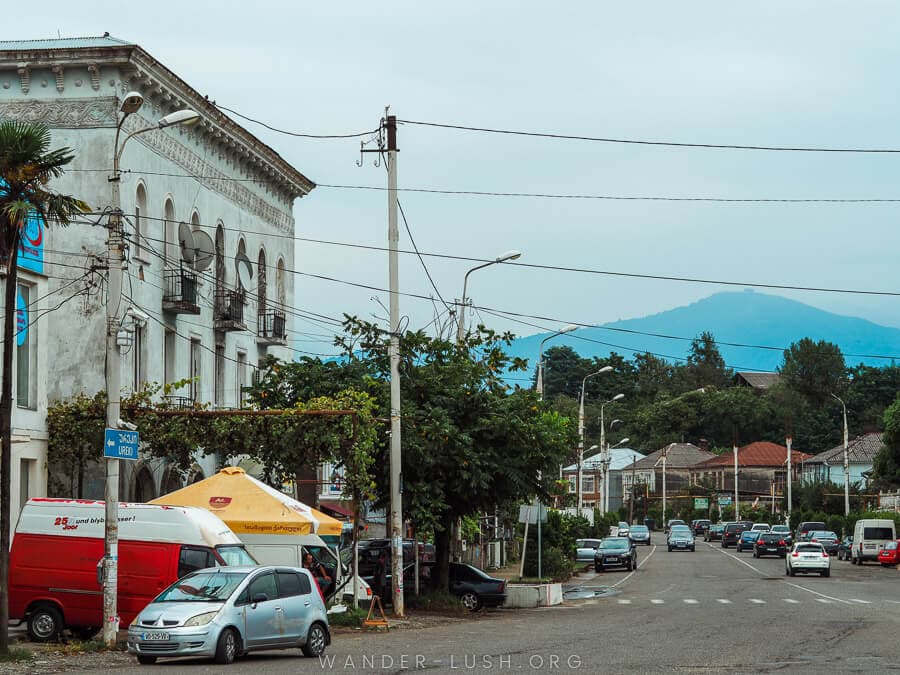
(352, 618)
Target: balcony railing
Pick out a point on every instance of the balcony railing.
(180, 295)
(229, 310)
(271, 327)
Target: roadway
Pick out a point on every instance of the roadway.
(712, 610)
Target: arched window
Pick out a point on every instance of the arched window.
(140, 213)
(170, 234)
(280, 290)
(242, 251)
(261, 281)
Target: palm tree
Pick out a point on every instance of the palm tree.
(27, 165)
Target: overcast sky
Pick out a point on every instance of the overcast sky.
(812, 74)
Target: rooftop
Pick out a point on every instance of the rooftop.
(757, 380)
(860, 450)
(619, 459)
(760, 453)
(106, 40)
(678, 456)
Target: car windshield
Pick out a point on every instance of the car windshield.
(780, 528)
(681, 530)
(808, 548)
(890, 546)
(823, 535)
(616, 543)
(587, 543)
(639, 529)
(750, 535)
(203, 587)
(718, 527)
(236, 555)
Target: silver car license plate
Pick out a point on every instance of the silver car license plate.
(154, 636)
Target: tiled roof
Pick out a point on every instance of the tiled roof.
(678, 455)
(619, 459)
(759, 380)
(760, 453)
(63, 43)
(860, 450)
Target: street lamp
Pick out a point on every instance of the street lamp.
(605, 369)
(605, 451)
(540, 377)
(846, 460)
(662, 459)
(115, 248)
(461, 326)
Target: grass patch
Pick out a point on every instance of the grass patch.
(16, 655)
(437, 601)
(352, 618)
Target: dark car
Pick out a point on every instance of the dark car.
(475, 588)
(615, 552)
(843, 550)
(804, 528)
(680, 538)
(747, 540)
(770, 544)
(829, 540)
(700, 526)
(640, 534)
(674, 521)
(731, 533)
(714, 533)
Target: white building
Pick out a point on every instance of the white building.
(215, 177)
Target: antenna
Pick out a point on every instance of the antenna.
(244, 270)
(186, 243)
(204, 250)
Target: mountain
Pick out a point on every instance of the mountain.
(746, 318)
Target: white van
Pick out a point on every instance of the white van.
(869, 537)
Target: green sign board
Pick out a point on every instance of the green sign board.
(701, 502)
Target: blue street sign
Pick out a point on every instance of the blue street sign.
(118, 444)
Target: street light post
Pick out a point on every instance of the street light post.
(790, 469)
(115, 254)
(605, 450)
(737, 510)
(461, 325)
(605, 369)
(539, 387)
(846, 460)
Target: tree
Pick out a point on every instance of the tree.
(705, 365)
(887, 461)
(654, 376)
(816, 370)
(27, 165)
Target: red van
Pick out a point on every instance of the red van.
(58, 544)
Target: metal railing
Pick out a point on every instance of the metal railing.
(271, 325)
(180, 287)
(229, 306)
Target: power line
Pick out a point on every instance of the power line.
(627, 141)
(293, 133)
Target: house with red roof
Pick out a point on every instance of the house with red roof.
(760, 467)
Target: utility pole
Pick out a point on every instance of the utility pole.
(790, 469)
(737, 508)
(390, 127)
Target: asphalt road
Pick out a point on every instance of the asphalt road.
(713, 610)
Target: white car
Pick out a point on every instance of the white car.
(807, 557)
(760, 527)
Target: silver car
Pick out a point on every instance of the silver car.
(225, 612)
(585, 549)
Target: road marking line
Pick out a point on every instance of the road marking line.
(657, 601)
(628, 576)
(757, 601)
(825, 600)
(792, 601)
(624, 602)
(691, 601)
(862, 602)
(821, 595)
(724, 601)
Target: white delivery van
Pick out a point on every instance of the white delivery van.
(288, 549)
(869, 537)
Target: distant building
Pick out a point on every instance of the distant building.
(760, 469)
(592, 477)
(757, 380)
(829, 465)
(680, 458)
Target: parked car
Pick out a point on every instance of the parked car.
(624, 529)
(869, 536)
(890, 554)
(747, 540)
(475, 588)
(714, 533)
(700, 526)
(785, 532)
(674, 521)
(770, 543)
(615, 552)
(804, 528)
(807, 557)
(681, 538)
(843, 551)
(640, 534)
(731, 533)
(828, 539)
(760, 527)
(222, 613)
(585, 549)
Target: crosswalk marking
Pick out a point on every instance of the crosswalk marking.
(624, 602)
(690, 601)
(825, 600)
(792, 601)
(657, 601)
(757, 601)
(724, 601)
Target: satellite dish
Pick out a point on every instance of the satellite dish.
(186, 242)
(204, 251)
(244, 270)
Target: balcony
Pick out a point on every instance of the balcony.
(271, 325)
(229, 310)
(180, 294)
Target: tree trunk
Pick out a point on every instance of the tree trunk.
(440, 577)
(9, 314)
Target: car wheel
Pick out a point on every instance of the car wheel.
(670, 549)
(597, 568)
(793, 572)
(826, 573)
(146, 660)
(471, 601)
(227, 647)
(45, 623)
(693, 548)
(316, 640)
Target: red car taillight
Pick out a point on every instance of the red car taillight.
(795, 555)
(781, 543)
(824, 554)
(814, 541)
(502, 586)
